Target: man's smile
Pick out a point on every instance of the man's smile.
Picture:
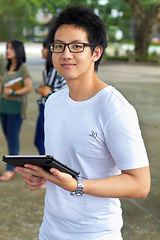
(67, 65)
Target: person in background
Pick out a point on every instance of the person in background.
(52, 82)
(92, 128)
(14, 102)
(2, 65)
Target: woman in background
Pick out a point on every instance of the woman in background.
(52, 82)
(14, 102)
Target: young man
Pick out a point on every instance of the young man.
(92, 128)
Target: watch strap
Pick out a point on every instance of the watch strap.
(80, 185)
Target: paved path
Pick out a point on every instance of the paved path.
(22, 210)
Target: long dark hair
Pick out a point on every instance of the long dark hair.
(20, 53)
(49, 63)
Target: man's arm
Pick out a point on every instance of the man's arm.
(133, 183)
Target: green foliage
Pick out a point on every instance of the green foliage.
(122, 21)
(17, 14)
(14, 15)
(155, 44)
(117, 58)
(52, 6)
(146, 4)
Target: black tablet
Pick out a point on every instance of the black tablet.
(44, 161)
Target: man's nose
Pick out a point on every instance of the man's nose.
(66, 51)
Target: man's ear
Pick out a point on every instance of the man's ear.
(97, 53)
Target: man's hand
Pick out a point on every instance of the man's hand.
(31, 177)
(35, 177)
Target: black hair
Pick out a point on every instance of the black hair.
(85, 18)
(20, 53)
(49, 63)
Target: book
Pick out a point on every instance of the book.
(14, 84)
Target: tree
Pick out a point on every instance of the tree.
(14, 16)
(146, 16)
(17, 15)
(121, 21)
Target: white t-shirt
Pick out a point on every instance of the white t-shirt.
(98, 137)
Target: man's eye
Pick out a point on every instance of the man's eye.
(77, 46)
(58, 46)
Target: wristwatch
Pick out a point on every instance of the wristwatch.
(80, 185)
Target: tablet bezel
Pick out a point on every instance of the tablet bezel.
(44, 161)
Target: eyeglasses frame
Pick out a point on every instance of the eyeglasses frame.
(67, 44)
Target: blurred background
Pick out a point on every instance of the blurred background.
(133, 26)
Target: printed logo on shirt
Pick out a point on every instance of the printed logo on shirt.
(93, 134)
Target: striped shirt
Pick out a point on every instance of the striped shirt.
(55, 81)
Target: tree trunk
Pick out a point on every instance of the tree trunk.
(145, 19)
(143, 38)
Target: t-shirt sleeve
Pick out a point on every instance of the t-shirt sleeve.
(25, 71)
(124, 140)
(2, 67)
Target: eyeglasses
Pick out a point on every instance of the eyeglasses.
(73, 47)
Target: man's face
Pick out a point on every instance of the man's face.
(73, 65)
